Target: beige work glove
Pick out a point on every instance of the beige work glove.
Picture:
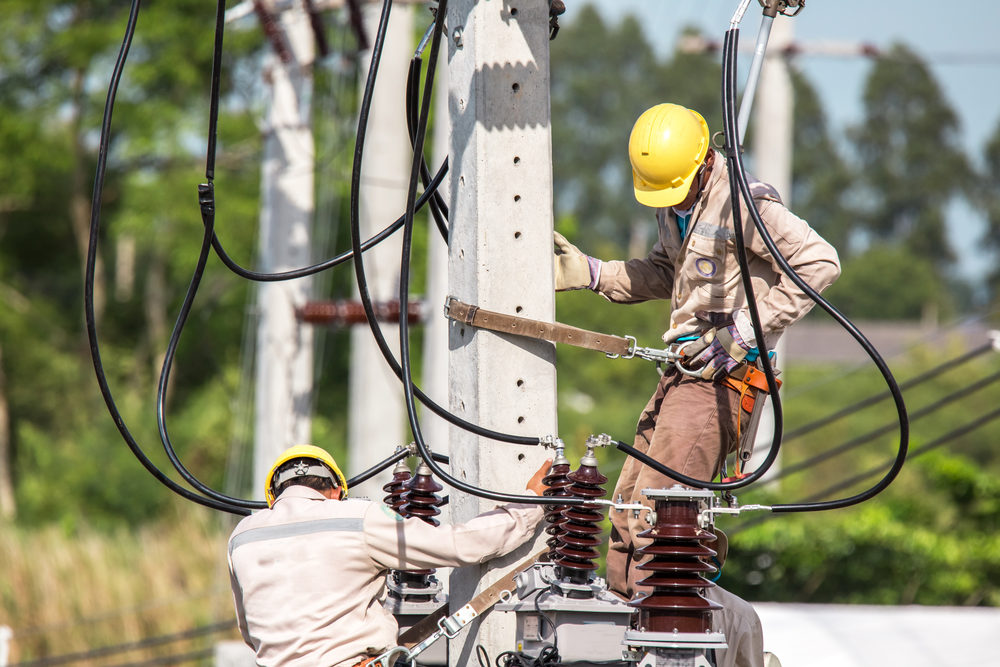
(574, 270)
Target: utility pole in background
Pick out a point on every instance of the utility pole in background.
(284, 361)
(500, 257)
(376, 413)
(773, 124)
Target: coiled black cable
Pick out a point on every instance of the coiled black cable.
(732, 138)
(89, 315)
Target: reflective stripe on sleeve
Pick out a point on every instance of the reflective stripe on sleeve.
(295, 530)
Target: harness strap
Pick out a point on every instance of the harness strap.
(477, 606)
(555, 332)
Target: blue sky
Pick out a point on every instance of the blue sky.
(959, 42)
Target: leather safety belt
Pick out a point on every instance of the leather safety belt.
(613, 346)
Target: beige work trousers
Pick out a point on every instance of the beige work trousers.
(689, 425)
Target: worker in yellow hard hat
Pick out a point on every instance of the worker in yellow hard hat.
(308, 573)
(697, 415)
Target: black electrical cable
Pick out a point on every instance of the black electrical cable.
(404, 287)
(438, 207)
(385, 463)
(206, 197)
(343, 257)
(732, 140)
(362, 282)
(877, 398)
(91, 320)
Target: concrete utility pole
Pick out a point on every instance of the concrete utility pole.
(284, 347)
(500, 257)
(376, 413)
(773, 118)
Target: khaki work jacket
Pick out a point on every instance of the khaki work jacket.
(307, 575)
(700, 273)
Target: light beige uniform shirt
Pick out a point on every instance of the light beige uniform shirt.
(307, 574)
(700, 272)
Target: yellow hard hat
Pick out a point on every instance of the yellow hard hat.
(304, 452)
(667, 145)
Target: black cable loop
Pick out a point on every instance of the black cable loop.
(89, 316)
(343, 257)
(404, 287)
(362, 281)
(740, 173)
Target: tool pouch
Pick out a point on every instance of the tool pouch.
(751, 384)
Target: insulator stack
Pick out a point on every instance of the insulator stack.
(557, 480)
(396, 489)
(422, 500)
(577, 551)
(678, 559)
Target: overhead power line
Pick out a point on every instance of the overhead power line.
(105, 651)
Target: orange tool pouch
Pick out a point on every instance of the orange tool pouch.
(747, 381)
(747, 386)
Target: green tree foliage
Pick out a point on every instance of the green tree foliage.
(863, 290)
(597, 93)
(930, 538)
(822, 182)
(910, 162)
(989, 196)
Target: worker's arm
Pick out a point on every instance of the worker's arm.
(640, 279)
(813, 259)
(406, 544)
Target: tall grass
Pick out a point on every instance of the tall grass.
(64, 593)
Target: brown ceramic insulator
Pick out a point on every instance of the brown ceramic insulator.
(676, 560)
(579, 536)
(557, 481)
(396, 489)
(422, 502)
(421, 497)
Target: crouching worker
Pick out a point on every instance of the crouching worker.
(308, 573)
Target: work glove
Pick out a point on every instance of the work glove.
(573, 269)
(722, 350)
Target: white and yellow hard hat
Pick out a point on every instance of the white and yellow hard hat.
(667, 145)
(328, 469)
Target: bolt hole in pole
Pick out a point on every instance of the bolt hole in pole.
(516, 87)
(517, 235)
(517, 160)
(517, 198)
